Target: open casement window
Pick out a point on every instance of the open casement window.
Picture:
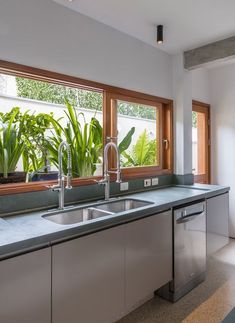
(201, 142)
(142, 130)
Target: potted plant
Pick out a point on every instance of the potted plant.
(11, 149)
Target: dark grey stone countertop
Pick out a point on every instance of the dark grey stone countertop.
(26, 232)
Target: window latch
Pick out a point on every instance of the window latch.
(166, 143)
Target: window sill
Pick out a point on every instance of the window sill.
(9, 189)
(127, 174)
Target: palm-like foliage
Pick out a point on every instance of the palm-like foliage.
(11, 146)
(24, 135)
(143, 153)
(85, 142)
(85, 139)
(126, 141)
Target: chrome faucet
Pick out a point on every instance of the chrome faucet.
(60, 187)
(106, 180)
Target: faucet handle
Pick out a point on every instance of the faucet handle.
(55, 187)
(103, 181)
(68, 182)
(119, 177)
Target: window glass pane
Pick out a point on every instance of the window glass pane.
(138, 134)
(199, 143)
(42, 115)
(194, 142)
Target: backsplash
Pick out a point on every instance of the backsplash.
(26, 202)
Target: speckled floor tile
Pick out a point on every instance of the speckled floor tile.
(210, 302)
(216, 307)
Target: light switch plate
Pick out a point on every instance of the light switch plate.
(124, 186)
(147, 182)
(154, 181)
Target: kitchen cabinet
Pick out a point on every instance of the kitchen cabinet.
(217, 222)
(148, 256)
(25, 293)
(101, 277)
(88, 278)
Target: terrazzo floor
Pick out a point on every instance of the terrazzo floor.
(210, 302)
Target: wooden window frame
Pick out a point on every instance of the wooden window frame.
(164, 134)
(108, 91)
(204, 108)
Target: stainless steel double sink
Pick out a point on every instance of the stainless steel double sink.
(76, 215)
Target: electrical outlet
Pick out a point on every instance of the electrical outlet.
(124, 186)
(147, 182)
(154, 181)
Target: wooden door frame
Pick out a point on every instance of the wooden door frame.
(198, 106)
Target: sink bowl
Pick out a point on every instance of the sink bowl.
(122, 205)
(71, 216)
(76, 216)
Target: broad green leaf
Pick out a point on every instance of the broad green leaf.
(125, 143)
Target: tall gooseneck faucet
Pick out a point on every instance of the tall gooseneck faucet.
(106, 180)
(60, 187)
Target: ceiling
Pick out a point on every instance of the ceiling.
(187, 23)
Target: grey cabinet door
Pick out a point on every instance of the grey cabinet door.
(148, 256)
(217, 222)
(88, 278)
(25, 288)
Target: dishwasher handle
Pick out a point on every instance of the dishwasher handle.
(189, 217)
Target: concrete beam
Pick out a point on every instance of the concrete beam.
(222, 50)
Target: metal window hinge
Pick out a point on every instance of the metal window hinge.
(108, 138)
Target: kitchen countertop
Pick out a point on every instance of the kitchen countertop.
(27, 232)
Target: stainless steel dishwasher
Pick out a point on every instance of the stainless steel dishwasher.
(189, 250)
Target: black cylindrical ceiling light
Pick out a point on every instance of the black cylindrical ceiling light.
(160, 34)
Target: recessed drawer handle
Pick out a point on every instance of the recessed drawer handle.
(189, 217)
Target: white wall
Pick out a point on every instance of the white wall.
(187, 86)
(222, 91)
(182, 89)
(200, 85)
(47, 35)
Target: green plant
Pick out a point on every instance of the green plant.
(33, 134)
(194, 119)
(11, 145)
(31, 131)
(125, 143)
(55, 93)
(143, 153)
(35, 154)
(85, 140)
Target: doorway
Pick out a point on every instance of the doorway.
(201, 142)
